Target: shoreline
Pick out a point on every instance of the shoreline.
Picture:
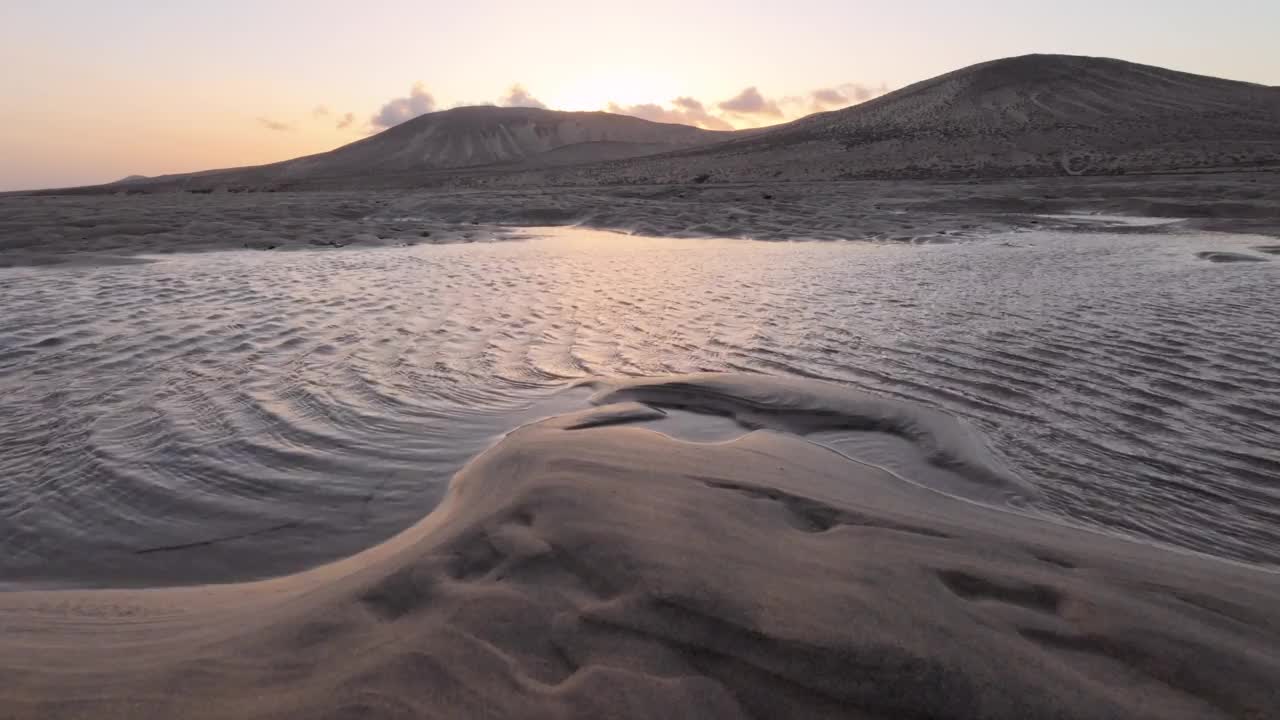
(47, 230)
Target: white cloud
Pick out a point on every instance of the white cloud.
(517, 96)
(751, 102)
(399, 110)
(270, 124)
(686, 111)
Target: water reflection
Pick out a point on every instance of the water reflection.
(303, 406)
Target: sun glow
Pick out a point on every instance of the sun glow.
(596, 88)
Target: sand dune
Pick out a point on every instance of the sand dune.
(589, 567)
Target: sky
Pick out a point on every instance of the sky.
(93, 90)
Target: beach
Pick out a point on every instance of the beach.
(444, 361)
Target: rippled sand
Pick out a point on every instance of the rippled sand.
(241, 415)
(480, 526)
(588, 566)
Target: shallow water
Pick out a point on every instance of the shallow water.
(232, 415)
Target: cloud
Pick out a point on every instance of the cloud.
(398, 110)
(270, 124)
(687, 111)
(751, 102)
(863, 92)
(843, 96)
(828, 96)
(517, 96)
(750, 108)
(340, 121)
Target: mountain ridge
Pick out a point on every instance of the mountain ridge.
(1026, 115)
(1029, 115)
(465, 138)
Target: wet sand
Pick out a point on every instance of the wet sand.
(587, 566)
(234, 416)
(62, 227)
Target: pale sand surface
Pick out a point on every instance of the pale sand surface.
(589, 567)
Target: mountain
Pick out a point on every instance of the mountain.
(1034, 115)
(499, 138)
(472, 136)
(1029, 115)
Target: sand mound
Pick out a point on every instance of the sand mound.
(589, 567)
(804, 408)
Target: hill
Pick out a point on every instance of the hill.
(1029, 115)
(500, 138)
(1034, 115)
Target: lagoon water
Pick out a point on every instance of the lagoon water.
(234, 415)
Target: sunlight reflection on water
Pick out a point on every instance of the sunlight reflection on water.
(302, 406)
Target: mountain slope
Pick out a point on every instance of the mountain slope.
(472, 136)
(1034, 115)
(468, 137)
(1029, 115)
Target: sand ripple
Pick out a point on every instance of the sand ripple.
(261, 413)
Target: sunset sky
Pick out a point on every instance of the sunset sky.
(94, 91)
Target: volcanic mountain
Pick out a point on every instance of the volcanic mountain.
(500, 138)
(1029, 115)
(1034, 115)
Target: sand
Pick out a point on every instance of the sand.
(235, 416)
(587, 566)
(95, 228)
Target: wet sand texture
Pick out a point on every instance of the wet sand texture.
(585, 567)
(97, 228)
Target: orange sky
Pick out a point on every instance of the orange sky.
(94, 91)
